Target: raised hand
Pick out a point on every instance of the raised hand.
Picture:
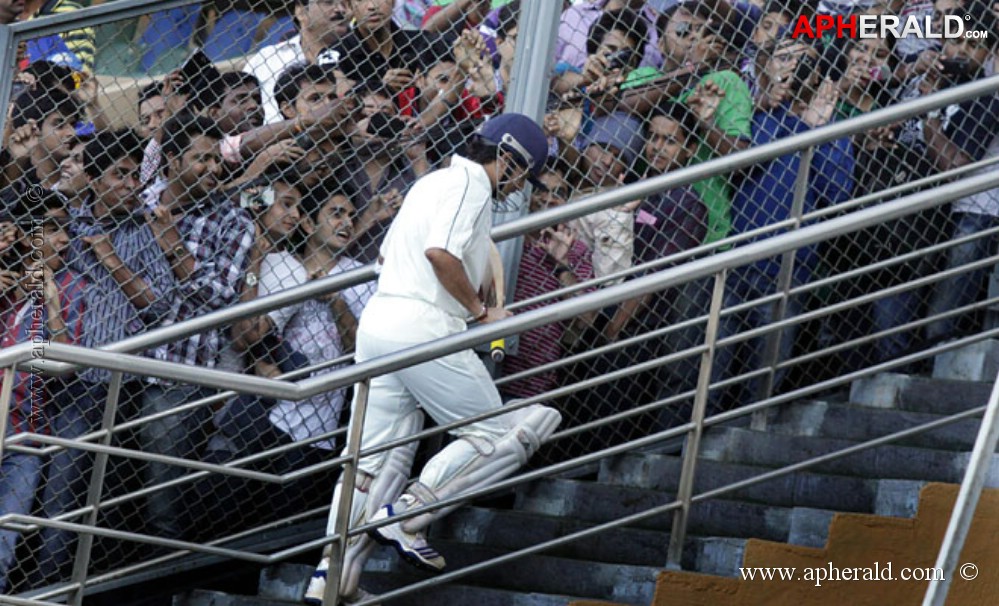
(100, 245)
(23, 140)
(557, 241)
(821, 108)
(705, 101)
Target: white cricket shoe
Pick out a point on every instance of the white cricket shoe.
(413, 547)
(317, 587)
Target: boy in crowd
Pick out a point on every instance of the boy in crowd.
(128, 278)
(553, 258)
(320, 23)
(376, 49)
(48, 306)
(42, 129)
(206, 241)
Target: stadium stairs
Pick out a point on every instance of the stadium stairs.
(882, 504)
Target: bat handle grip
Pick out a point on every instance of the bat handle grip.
(497, 350)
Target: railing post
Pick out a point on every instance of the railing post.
(6, 389)
(771, 352)
(342, 524)
(685, 489)
(8, 68)
(966, 503)
(95, 490)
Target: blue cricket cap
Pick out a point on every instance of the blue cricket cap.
(522, 137)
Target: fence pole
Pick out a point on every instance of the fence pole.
(6, 390)
(965, 505)
(685, 490)
(338, 552)
(95, 490)
(771, 355)
(8, 68)
(537, 33)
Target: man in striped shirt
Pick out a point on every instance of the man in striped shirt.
(48, 307)
(128, 275)
(207, 240)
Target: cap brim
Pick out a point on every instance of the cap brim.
(538, 185)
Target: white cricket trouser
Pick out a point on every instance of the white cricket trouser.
(449, 389)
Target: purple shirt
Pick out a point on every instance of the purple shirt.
(574, 29)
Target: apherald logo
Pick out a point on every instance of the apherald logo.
(881, 26)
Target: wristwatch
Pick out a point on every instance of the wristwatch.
(178, 251)
(251, 279)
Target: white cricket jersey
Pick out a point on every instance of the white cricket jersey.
(449, 209)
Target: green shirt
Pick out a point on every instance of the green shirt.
(733, 117)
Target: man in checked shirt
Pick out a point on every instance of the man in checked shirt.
(206, 240)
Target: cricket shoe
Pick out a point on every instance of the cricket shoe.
(413, 547)
(317, 587)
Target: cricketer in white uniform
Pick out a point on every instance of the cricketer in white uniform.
(434, 257)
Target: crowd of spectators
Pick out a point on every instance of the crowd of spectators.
(234, 184)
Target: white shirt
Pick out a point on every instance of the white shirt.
(267, 64)
(309, 328)
(450, 209)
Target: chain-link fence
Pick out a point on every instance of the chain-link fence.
(158, 169)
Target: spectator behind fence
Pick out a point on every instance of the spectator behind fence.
(320, 23)
(306, 334)
(774, 15)
(315, 102)
(128, 281)
(701, 43)
(41, 129)
(765, 196)
(665, 224)
(376, 49)
(72, 182)
(385, 163)
(609, 150)
(207, 241)
(953, 137)
(152, 110)
(613, 47)
(553, 258)
(576, 21)
(864, 68)
(48, 307)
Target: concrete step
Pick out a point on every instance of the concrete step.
(883, 462)
(974, 362)
(513, 530)
(541, 574)
(539, 580)
(597, 502)
(919, 394)
(657, 472)
(204, 597)
(862, 423)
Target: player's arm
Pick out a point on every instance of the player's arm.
(451, 274)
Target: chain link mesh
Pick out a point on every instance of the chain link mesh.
(158, 169)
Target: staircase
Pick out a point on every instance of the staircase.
(793, 514)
